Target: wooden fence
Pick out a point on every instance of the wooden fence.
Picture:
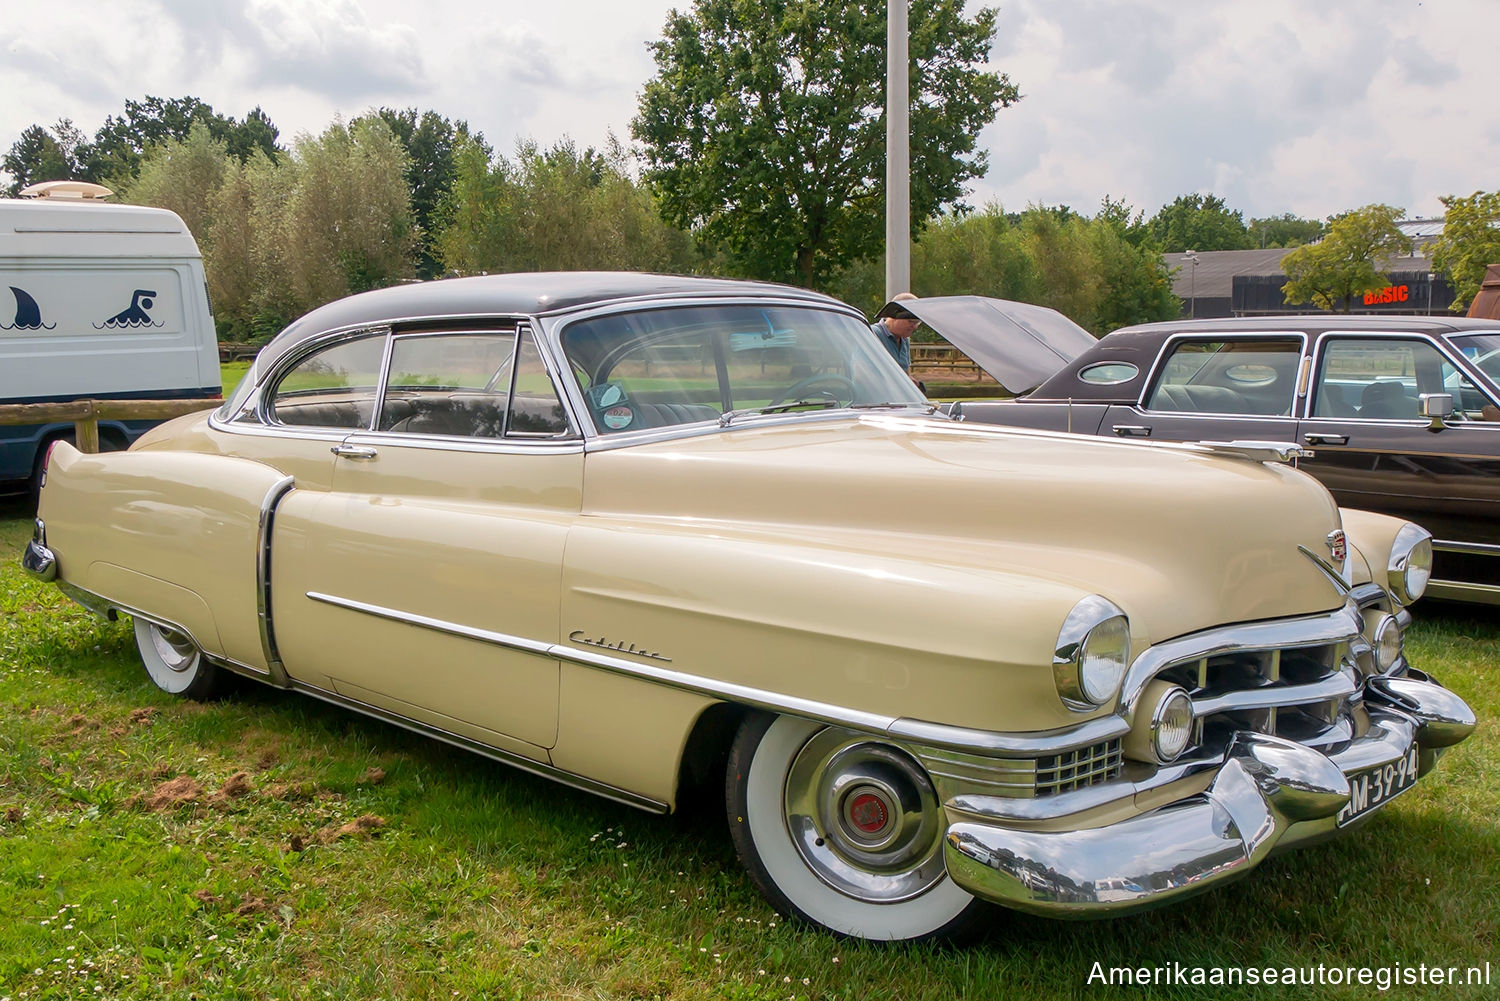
(86, 414)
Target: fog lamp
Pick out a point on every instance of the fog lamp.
(1387, 643)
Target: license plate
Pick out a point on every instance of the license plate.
(1374, 787)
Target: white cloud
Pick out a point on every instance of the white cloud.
(1276, 106)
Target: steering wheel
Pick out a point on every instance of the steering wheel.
(845, 388)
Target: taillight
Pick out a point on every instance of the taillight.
(41, 480)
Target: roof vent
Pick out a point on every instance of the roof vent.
(73, 191)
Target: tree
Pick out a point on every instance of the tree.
(1285, 230)
(554, 209)
(1342, 265)
(430, 141)
(764, 127)
(1198, 222)
(347, 222)
(1470, 242)
(119, 145)
(44, 155)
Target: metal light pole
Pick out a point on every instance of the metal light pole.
(897, 152)
(1192, 256)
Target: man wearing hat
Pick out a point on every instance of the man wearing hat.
(894, 327)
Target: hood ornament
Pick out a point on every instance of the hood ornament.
(1338, 546)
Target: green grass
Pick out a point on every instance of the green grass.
(478, 881)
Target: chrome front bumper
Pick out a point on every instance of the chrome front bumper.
(1270, 793)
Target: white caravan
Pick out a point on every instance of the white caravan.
(97, 301)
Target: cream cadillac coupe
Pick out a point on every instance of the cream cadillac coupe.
(626, 530)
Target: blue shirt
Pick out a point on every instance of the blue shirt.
(899, 347)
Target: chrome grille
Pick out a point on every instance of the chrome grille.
(1077, 768)
(956, 772)
(1296, 693)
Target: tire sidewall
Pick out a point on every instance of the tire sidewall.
(763, 750)
(197, 681)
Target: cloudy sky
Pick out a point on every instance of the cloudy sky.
(1276, 105)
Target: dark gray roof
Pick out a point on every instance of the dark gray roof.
(1317, 322)
(1213, 277)
(518, 294)
(1217, 269)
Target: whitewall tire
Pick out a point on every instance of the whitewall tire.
(174, 663)
(843, 830)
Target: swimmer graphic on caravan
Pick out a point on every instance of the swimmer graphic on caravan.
(135, 315)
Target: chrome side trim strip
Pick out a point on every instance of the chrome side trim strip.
(437, 625)
(1094, 731)
(919, 731)
(1471, 548)
(275, 668)
(1455, 590)
(537, 768)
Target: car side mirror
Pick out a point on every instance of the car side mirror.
(1437, 407)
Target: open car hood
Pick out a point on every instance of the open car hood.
(1019, 344)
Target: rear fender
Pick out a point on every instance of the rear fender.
(173, 536)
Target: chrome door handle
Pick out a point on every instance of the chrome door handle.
(1326, 439)
(354, 451)
(1133, 430)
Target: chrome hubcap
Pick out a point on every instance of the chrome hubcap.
(864, 817)
(177, 652)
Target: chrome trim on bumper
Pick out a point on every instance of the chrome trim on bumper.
(1268, 792)
(38, 560)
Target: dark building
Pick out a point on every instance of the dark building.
(1248, 282)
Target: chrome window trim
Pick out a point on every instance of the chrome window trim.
(523, 328)
(1135, 370)
(1165, 351)
(919, 731)
(273, 378)
(554, 325)
(1437, 342)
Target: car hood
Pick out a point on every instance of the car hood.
(1180, 538)
(1018, 344)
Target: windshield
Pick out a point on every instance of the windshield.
(691, 364)
(1484, 351)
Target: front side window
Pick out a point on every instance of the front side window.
(1253, 376)
(691, 364)
(1384, 379)
(470, 385)
(334, 387)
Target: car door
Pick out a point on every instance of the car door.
(1373, 450)
(426, 582)
(311, 407)
(1216, 387)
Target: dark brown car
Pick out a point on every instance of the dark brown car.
(1352, 389)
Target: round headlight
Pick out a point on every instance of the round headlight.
(1172, 725)
(1387, 643)
(1093, 651)
(1410, 566)
(1162, 727)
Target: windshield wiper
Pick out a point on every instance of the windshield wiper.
(931, 408)
(728, 416)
